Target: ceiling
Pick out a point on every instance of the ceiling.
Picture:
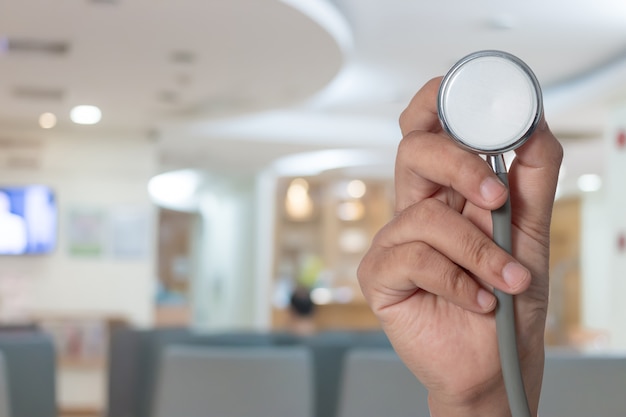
(229, 86)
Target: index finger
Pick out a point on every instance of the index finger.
(421, 113)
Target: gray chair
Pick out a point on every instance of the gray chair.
(377, 383)
(135, 358)
(30, 362)
(5, 404)
(582, 385)
(329, 349)
(234, 382)
(126, 346)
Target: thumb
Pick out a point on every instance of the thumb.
(533, 178)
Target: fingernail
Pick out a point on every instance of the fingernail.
(515, 275)
(486, 300)
(491, 189)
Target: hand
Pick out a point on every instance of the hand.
(429, 273)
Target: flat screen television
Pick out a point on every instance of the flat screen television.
(28, 220)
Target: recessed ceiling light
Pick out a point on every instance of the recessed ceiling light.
(589, 182)
(177, 190)
(86, 115)
(47, 120)
(356, 188)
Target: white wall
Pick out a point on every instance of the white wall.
(616, 206)
(108, 174)
(595, 262)
(603, 261)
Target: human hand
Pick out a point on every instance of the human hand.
(429, 273)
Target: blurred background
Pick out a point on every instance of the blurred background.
(194, 163)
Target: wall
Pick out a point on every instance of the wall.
(595, 263)
(603, 240)
(106, 174)
(615, 142)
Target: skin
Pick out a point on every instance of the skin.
(429, 272)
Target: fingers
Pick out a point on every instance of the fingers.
(426, 162)
(541, 150)
(406, 269)
(421, 113)
(432, 247)
(533, 178)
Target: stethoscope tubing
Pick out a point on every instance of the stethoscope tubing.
(505, 309)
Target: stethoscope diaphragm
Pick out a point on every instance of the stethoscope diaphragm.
(490, 102)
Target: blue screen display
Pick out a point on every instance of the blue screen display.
(28, 220)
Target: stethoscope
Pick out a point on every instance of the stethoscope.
(490, 103)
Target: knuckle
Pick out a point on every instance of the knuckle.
(368, 266)
(406, 146)
(467, 171)
(403, 119)
(478, 250)
(429, 211)
(470, 172)
(455, 282)
(558, 153)
(383, 236)
(413, 257)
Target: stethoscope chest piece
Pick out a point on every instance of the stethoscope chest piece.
(490, 102)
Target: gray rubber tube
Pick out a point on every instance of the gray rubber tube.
(505, 318)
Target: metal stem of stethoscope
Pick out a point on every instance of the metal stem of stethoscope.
(490, 103)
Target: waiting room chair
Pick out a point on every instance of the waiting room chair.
(583, 385)
(5, 405)
(329, 350)
(377, 383)
(234, 382)
(133, 367)
(126, 346)
(30, 362)
(135, 361)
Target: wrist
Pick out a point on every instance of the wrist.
(491, 400)
(492, 404)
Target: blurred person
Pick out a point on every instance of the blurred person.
(429, 272)
(13, 236)
(301, 311)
